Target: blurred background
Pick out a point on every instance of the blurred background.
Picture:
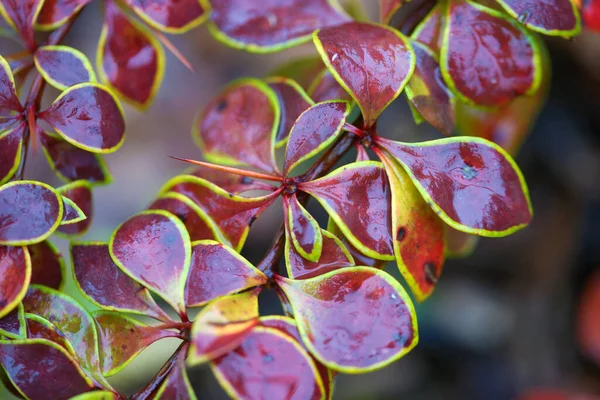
(501, 322)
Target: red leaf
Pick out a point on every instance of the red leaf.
(326, 87)
(21, 15)
(177, 384)
(359, 258)
(590, 12)
(154, 249)
(487, 59)
(357, 197)
(131, 60)
(262, 27)
(12, 325)
(472, 184)
(293, 101)
(11, 150)
(56, 12)
(47, 265)
(8, 92)
(302, 229)
(89, 117)
(80, 192)
(430, 30)
(63, 66)
(382, 325)
(172, 16)
(588, 325)
(373, 62)
(29, 212)
(387, 9)
(15, 274)
(105, 285)
(41, 328)
(550, 17)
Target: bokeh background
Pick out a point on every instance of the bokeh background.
(500, 322)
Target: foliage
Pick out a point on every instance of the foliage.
(472, 68)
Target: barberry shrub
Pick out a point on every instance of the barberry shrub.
(475, 70)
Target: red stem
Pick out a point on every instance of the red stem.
(354, 129)
(174, 325)
(160, 376)
(232, 170)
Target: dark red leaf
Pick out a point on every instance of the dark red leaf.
(72, 213)
(47, 265)
(302, 229)
(21, 15)
(326, 87)
(41, 328)
(177, 384)
(105, 285)
(131, 59)
(357, 198)
(172, 16)
(8, 92)
(373, 62)
(314, 130)
(430, 30)
(359, 258)
(472, 184)
(57, 375)
(12, 325)
(29, 212)
(217, 270)
(262, 27)
(486, 58)
(80, 192)
(154, 249)
(550, 17)
(63, 66)
(56, 12)
(588, 324)
(293, 101)
(11, 150)
(387, 9)
(590, 12)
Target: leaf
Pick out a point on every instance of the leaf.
(587, 333)
(71, 163)
(21, 16)
(428, 93)
(353, 320)
(41, 328)
(419, 233)
(89, 117)
(122, 338)
(590, 13)
(487, 59)
(96, 395)
(130, 60)
(269, 364)
(261, 27)
(57, 374)
(177, 384)
(72, 213)
(471, 183)
(293, 101)
(222, 325)
(357, 198)
(29, 212)
(80, 192)
(217, 270)
(326, 87)
(171, 16)
(11, 151)
(63, 66)
(55, 13)
(359, 258)
(233, 214)
(47, 265)
(550, 17)
(8, 91)
(239, 127)
(430, 30)
(314, 130)
(300, 69)
(105, 285)
(302, 229)
(12, 325)
(387, 9)
(154, 249)
(372, 62)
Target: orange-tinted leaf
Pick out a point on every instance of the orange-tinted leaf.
(47, 265)
(15, 275)
(172, 16)
(80, 192)
(387, 9)
(353, 320)
(12, 325)
(373, 62)
(8, 92)
(56, 12)
(11, 150)
(63, 66)
(430, 31)
(588, 324)
(550, 17)
(293, 101)
(302, 229)
(326, 87)
(21, 15)
(177, 384)
(486, 58)
(217, 270)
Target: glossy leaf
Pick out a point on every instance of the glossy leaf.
(72, 212)
(293, 101)
(302, 229)
(487, 59)
(222, 325)
(47, 265)
(89, 117)
(96, 395)
(123, 338)
(11, 151)
(269, 364)
(428, 93)
(382, 326)
(550, 17)
(372, 62)
(21, 15)
(419, 233)
(63, 66)
(326, 87)
(57, 374)
(231, 213)
(357, 198)
(240, 126)
(8, 92)
(80, 192)
(314, 130)
(472, 184)
(129, 58)
(154, 249)
(177, 384)
(587, 333)
(172, 16)
(12, 325)
(217, 270)
(71, 163)
(41, 328)
(359, 257)
(56, 12)
(29, 212)
(105, 285)
(430, 30)
(387, 9)
(262, 27)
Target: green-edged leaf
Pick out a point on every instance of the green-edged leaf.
(171, 16)
(8, 91)
(80, 193)
(47, 265)
(55, 13)
(177, 384)
(63, 66)
(430, 30)
(302, 229)
(96, 395)
(21, 16)
(11, 150)
(73, 213)
(15, 275)
(12, 325)
(359, 257)
(550, 17)
(387, 9)
(41, 328)
(325, 87)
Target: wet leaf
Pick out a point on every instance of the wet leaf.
(387, 9)
(326, 87)
(359, 258)
(80, 192)
(47, 265)
(172, 16)
(302, 229)
(293, 101)
(471, 183)
(54, 13)
(372, 62)
(177, 384)
(154, 249)
(550, 17)
(72, 213)
(12, 325)
(430, 30)
(263, 27)
(8, 92)
(21, 16)
(89, 117)
(29, 212)
(41, 328)
(217, 270)
(63, 66)
(105, 285)
(353, 320)
(11, 151)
